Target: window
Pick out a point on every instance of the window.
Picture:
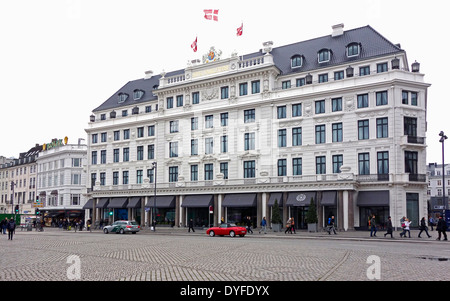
(411, 162)
(94, 138)
(173, 149)
(140, 132)
(94, 157)
(125, 177)
(324, 56)
(249, 141)
(116, 155)
(169, 102)
(151, 151)
(296, 61)
(139, 176)
(224, 119)
(195, 98)
(336, 104)
(179, 100)
(126, 134)
(148, 109)
(209, 145)
(296, 136)
(209, 122)
(151, 130)
(320, 134)
(255, 87)
(410, 126)
(363, 129)
(320, 106)
(223, 92)
(174, 126)
(300, 82)
(103, 157)
(137, 94)
(338, 75)
(115, 178)
(297, 110)
(297, 166)
(363, 101)
(150, 174)
(173, 174)
(363, 164)
(243, 89)
(320, 165)
(249, 116)
(124, 113)
(194, 147)
(103, 137)
(209, 170)
(337, 132)
(249, 169)
(337, 163)
(364, 71)
(224, 169)
(323, 78)
(286, 84)
(281, 167)
(383, 163)
(382, 127)
(414, 98)
(122, 97)
(103, 117)
(281, 112)
(353, 49)
(382, 98)
(194, 123)
(282, 138)
(194, 172)
(406, 96)
(383, 67)
(126, 154)
(224, 144)
(140, 152)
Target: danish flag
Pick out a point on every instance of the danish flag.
(211, 14)
(194, 45)
(240, 30)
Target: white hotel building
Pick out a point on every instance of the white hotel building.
(340, 119)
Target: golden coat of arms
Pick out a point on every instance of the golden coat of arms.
(212, 55)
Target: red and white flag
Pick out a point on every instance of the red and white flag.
(194, 45)
(240, 30)
(211, 14)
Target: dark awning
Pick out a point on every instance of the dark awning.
(163, 201)
(117, 203)
(329, 198)
(198, 201)
(88, 204)
(134, 202)
(275, 196)
(102, 203)
(240, 200)
(300, 199)
(373, 198)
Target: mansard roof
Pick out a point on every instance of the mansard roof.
(371, 43)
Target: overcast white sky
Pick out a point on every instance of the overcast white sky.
(60, 59)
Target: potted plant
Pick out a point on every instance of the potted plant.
(276, 217)
(311, 217)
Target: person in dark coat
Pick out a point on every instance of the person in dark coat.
(191, 225)
(423, 227)
(389, 227)
(441, 228)
(11, 227)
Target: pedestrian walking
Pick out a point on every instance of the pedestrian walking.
(441, 228)
(191, 225)
(11, 227)
(263, 225)
(88, 224)
(292, 225)
(389, 227)
(431, 222)
(288, 226)
(423, 227)
(331, 225)
(373, 227)
(406, 229)
(249, 225)
(4, 225)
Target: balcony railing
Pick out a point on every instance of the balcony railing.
(416, 140)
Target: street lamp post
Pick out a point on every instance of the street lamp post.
(442, 140)
(154, 167)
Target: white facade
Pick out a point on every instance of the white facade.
(343, 132)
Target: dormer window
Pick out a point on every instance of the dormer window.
(137, 94)
(324, 55)
(296, 61)
(122, 97)
(353, 49)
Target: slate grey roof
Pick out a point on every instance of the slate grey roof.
(372, 45)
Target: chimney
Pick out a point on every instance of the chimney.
(148, 74)
(338, 30)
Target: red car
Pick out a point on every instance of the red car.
(227, 229)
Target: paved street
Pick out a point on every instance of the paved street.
(176, 255)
